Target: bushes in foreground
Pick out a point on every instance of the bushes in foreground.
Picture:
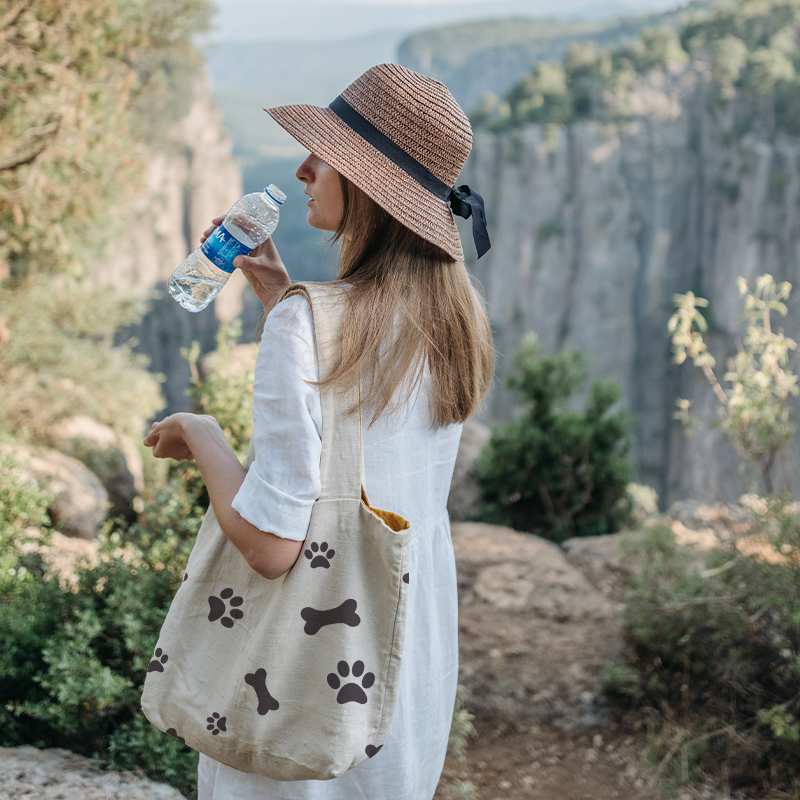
(74, 654)
(713, 657)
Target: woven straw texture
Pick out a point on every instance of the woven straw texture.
(418, 114)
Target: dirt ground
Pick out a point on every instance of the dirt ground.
(543, 763)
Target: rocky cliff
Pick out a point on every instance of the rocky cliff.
(595, 226)
(191, 180)
(490, 56)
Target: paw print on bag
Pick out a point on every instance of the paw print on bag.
(323, 555)
(174, 734)
(350, 692)
(218, 608)
(159, 659)
(216, 723)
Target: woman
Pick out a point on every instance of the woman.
(384, 157)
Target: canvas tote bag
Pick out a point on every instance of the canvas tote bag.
(294, 678)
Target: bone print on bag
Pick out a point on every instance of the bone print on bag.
(315, 620)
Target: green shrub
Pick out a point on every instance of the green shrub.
(60, 358)
(754, 408)
(554, 471)
(23, 505)
(751, 47)
(73, 657)
(714, 654)
(225, 388)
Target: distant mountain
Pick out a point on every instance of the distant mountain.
(491, 56)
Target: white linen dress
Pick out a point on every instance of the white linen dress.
(408, 469)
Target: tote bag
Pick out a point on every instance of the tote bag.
(294, 678)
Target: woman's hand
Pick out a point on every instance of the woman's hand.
(263, 269)
(168, 438)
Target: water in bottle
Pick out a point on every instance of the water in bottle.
(250, 222)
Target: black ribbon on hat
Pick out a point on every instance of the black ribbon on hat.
(462, 201)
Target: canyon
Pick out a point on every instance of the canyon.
(596, 225)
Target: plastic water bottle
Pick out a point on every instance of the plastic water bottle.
(250, 222)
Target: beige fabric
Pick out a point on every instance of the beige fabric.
(295, 678)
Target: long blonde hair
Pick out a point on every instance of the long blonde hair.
(408, 292)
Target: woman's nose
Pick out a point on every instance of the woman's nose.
(305, 171)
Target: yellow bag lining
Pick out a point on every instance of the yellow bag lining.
(390, 519)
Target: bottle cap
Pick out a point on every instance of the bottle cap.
(276, 194)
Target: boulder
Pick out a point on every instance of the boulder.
(600, 554)
(80, 503)
(56, 774)
(535, 635)
(465, 494)
(115, 460)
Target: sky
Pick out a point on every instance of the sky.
(307, 21)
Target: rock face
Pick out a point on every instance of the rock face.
(193, 180)
(596, 226)
(80, 502)
(465, 494)
(114, 460)
(534, 633)
(55, 774)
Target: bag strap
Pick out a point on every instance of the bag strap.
(342, 461)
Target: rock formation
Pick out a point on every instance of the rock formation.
(534, 633)
(596, 225)
(113, 458)
(56, 774)
(192, 180)
(78, 501)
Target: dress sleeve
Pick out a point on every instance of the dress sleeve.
(284, 479)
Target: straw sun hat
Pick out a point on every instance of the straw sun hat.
(401, 138)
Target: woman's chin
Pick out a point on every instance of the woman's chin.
(315, 222)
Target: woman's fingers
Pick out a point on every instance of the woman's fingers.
(167, 439)
(268, 250)
(208, 231)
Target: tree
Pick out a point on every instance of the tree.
(554, 471)
(75, 75)
(754, 411)
(86, 86)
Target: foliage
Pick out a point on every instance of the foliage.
(461, 731)
(754, 411)
(224, 387)
(73, 658)
(714, 655)
(455, 45)
(587, 83)
(543, 96)
(751, 47)
(23, 505)
(76, 74)
(59, 358)
(87, 87)
(554, 471)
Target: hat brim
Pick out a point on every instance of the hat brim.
(323, 133)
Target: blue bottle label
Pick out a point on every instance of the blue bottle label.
(222, 247)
